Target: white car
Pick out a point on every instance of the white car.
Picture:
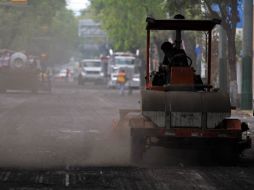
(91, 70)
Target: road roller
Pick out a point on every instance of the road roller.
(178, 108)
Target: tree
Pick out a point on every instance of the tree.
(21, 23)
(228, 13)
(124, 21)
(190, 10)
(39, 28)
(64, 36)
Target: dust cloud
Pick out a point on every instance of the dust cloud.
(60, 129)
(70, 150)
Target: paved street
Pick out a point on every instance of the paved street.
(65, 139)
(70, 126)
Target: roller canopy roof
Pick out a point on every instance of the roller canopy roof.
(181, 24)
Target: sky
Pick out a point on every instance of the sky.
(77, 5)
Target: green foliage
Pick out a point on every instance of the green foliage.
(125, 24)
(40, 27)
(125, 20)
(190, 9)
(227, 12)
(64, 35)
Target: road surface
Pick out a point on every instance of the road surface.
(66, 140)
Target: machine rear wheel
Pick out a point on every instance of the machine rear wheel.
(228, 155)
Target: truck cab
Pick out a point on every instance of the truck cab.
(128, 62)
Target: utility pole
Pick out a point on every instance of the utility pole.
(246, 98)
(223, 67)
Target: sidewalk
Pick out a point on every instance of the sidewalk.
(242, 113)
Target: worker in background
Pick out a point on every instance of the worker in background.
(67, 76)
(121, 80)
(129, 75)
(5, 58)
(1, 59)
(80, 77)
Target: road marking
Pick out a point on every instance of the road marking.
(93, 131)
(106, 102)
(7, 176)
(69, 131)
(67, 177)
(40, 179)
(67, 180)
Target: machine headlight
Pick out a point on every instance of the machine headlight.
(245, 135)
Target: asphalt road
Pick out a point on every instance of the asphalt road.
(65, 140)
(70, 126)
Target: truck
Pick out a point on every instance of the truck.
(19, 71)
(179, 110)
(127, 61)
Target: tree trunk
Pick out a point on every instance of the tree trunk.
(232, 56)
(232, 68)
